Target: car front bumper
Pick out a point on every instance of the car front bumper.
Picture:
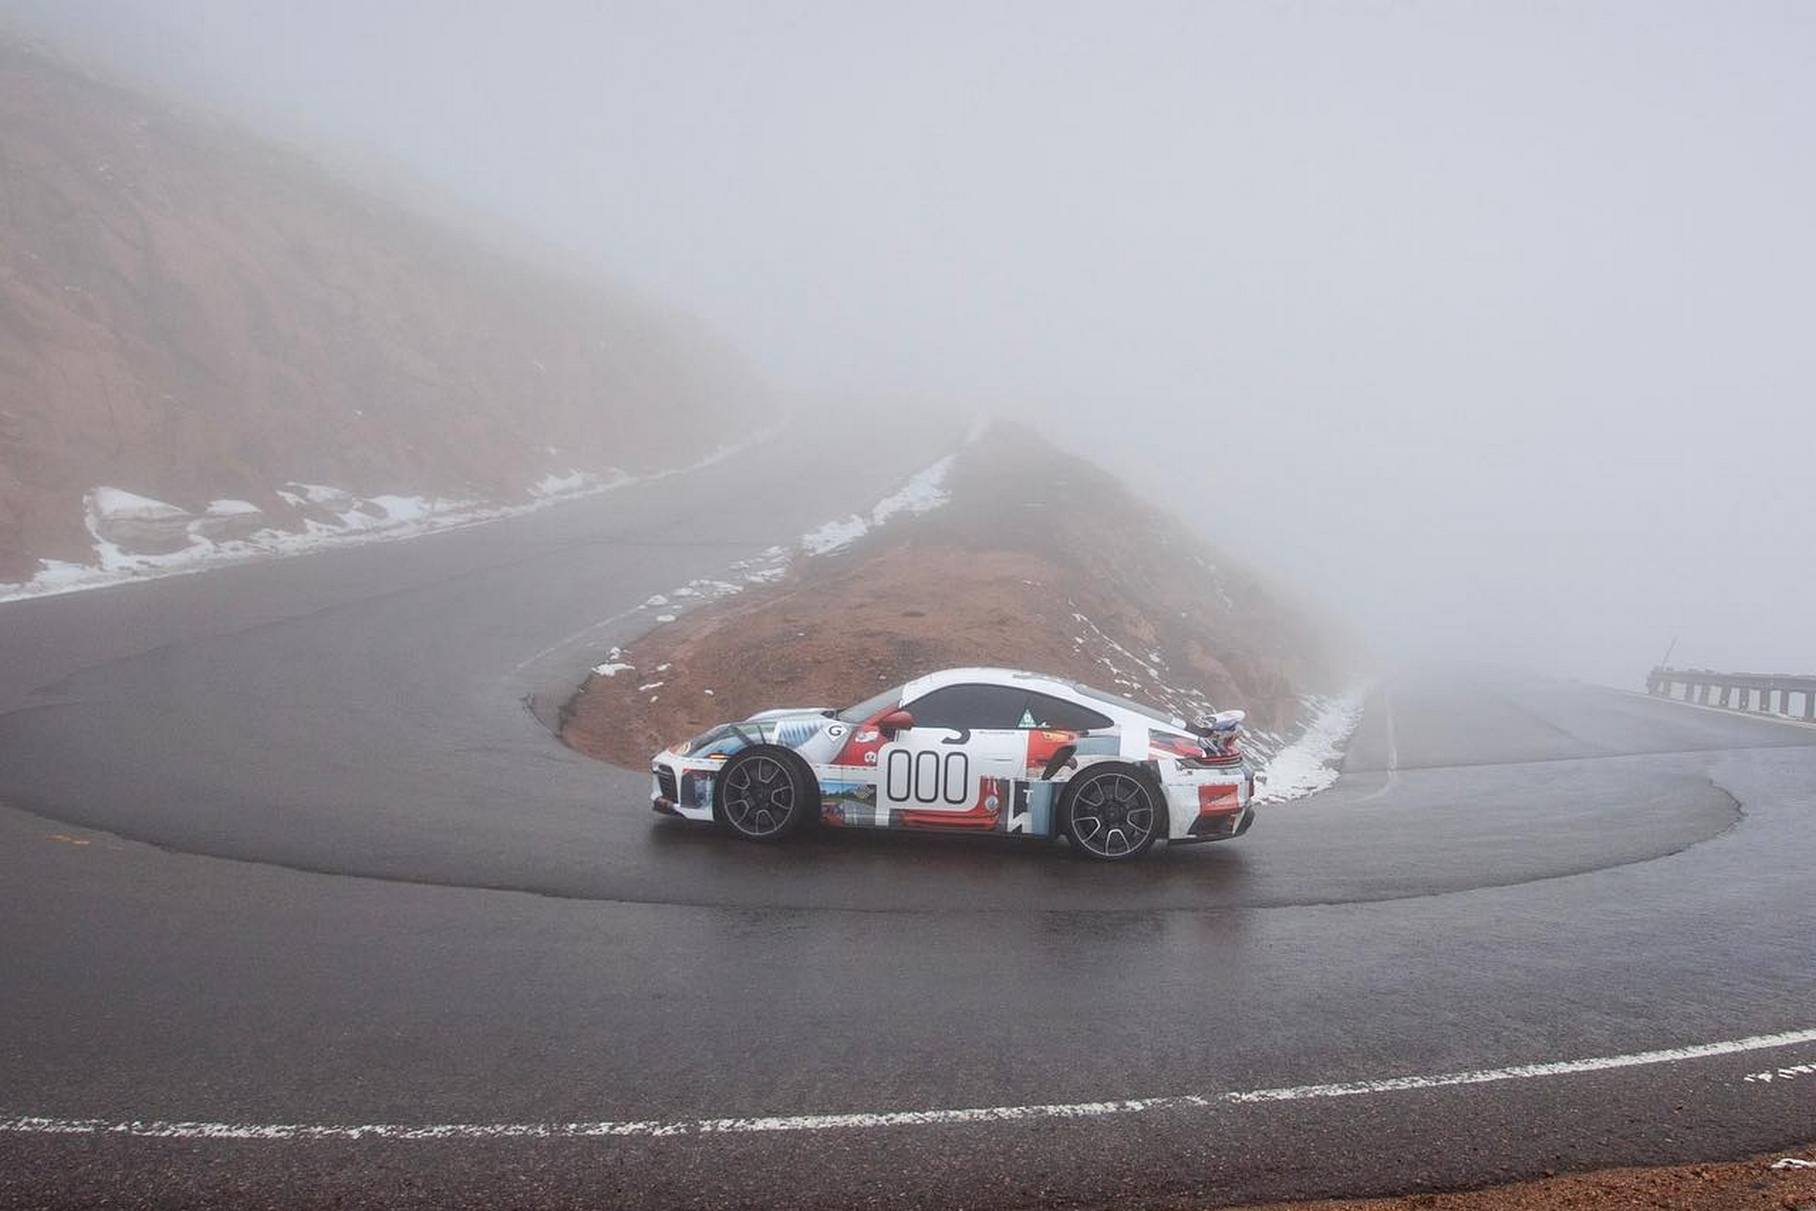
(682, 788)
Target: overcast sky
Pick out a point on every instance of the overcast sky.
(1490, 326)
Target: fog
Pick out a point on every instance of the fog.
(1489, 329)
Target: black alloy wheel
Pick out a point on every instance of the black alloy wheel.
(761, 797)
(1111, 815)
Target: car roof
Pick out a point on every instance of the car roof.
(1016, 678)
(1043, 683)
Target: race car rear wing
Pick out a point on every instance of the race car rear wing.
(1221, 736)
(1224, 724)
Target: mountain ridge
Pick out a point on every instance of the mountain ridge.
(190, 313)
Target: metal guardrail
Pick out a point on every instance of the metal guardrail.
(1734, 690)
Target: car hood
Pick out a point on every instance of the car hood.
(791, 728)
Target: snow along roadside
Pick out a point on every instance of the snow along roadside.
(923, 492)
(386, 518)
(1309, 764)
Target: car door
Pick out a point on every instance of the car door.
(1054, 729)
(951, 767)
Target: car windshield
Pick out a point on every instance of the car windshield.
(871, 705)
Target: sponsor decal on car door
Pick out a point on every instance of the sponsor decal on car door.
(945, 777)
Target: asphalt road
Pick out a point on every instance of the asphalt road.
(281, 847)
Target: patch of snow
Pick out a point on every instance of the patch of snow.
(1309, 764)
(612, 665)
(924, 492)
(708, 693)
(118, 503)
(60, 576)
(405, 508)
(300, 494)
(383, 518)
(654, 685)
(1148, 677)
(106, 510)
(578, 483)
(834, 535)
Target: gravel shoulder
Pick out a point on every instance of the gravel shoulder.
(1774, 1181)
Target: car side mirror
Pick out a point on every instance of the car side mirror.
(895, 721)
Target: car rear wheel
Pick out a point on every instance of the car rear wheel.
(1111, 814)
(763, 796)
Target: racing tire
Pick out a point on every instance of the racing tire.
(765, 794)
(1111, 813)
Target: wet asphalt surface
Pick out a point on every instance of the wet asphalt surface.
(282, 844)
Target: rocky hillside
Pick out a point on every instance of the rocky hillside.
(189, 315)
(1012, 553)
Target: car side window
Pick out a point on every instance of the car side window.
(969, 706)
(1044, 710)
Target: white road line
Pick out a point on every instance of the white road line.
(582, 633)
(1393, 752)
(166, 1129)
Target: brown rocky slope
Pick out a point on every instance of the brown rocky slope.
(1036, 560)
(1772, 1182)
(189, 313)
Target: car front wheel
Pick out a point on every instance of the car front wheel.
(762, 796)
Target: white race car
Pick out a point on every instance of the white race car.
(971, 750)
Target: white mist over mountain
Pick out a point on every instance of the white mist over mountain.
(1486, 327)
